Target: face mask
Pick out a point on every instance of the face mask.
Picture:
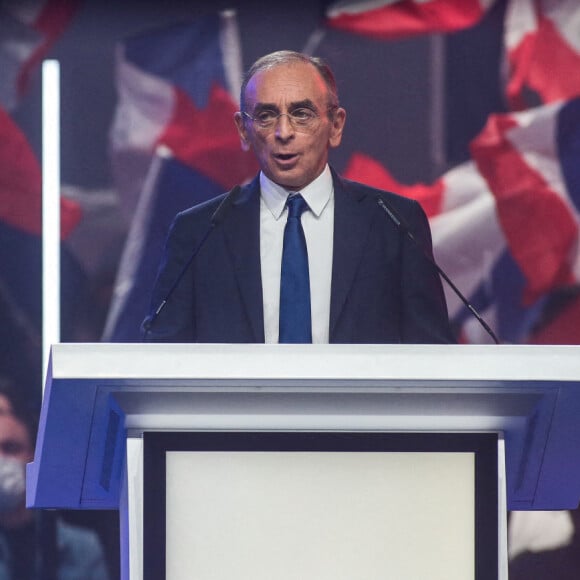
(12, 483)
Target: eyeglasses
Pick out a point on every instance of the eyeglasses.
(302, 120)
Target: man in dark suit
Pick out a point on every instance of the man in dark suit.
(366, 281)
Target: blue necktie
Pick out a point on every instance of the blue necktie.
(295, 319)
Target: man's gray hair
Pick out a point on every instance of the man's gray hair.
(282, 57)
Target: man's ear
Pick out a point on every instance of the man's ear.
(337, 122)
(241, 126)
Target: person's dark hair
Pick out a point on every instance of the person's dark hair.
(20, 408)
(282, 57)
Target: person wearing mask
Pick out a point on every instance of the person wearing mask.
(36, 545)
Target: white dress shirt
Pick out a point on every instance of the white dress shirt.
(318, 225)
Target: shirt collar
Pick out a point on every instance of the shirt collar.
(317, 194)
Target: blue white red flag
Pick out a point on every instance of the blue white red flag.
(178, 92)
(468, 242)
(542, 50)
(20, 256)
(390, 19)
(505, 224)
(179, 87)
(27, 31)
(541, 37)
(530, 163)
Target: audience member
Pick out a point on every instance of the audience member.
(36, 545)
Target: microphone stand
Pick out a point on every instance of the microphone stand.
(403, 228)
(215, 220)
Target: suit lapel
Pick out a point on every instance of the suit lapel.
(242, 233)
(241, 229)
(352, 220)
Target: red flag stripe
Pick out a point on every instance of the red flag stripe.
(21, 184)
(366, 170)
(541, 52)
(216, 150)
(408, 18)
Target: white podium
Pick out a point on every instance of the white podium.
(101, 399)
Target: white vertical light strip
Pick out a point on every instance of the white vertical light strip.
(50, 208)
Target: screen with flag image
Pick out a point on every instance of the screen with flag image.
(287, 505)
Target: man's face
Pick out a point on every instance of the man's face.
(290, 158)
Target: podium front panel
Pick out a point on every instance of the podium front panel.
(320, 504)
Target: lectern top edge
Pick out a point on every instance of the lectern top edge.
(362, 362)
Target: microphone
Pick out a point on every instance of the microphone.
(398, 221)
(215, 219)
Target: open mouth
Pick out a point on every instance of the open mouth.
(285, 156)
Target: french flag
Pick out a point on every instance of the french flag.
(530, 161)
(468, 242)
(504, 224)
(542, 42)
(29, 29)
(21, 257)
(174, 144)
(179, 87)
(391, 19)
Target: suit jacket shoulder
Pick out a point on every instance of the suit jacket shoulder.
(384, 287)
